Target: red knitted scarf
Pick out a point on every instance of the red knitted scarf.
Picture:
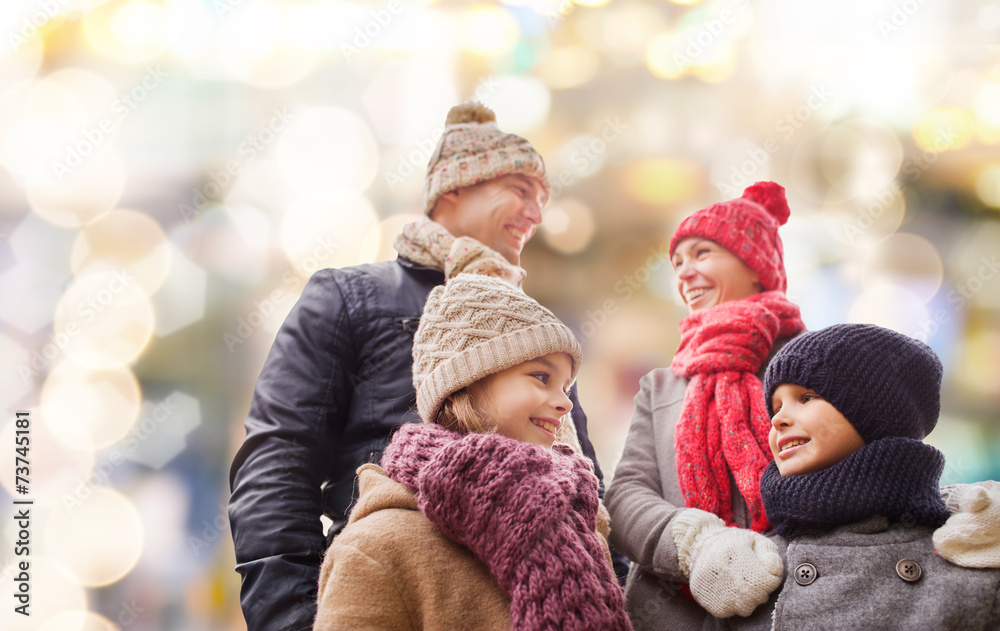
(724, 423)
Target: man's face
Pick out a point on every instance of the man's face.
(500, 213)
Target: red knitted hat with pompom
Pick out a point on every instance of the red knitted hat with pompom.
(748, 227)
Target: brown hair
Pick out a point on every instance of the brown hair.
(458, 414)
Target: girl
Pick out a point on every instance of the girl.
(477, 518)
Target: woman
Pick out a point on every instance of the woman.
(698, 441)
(477, 518)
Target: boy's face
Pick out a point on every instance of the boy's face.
(807, 433)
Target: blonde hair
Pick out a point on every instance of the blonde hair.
(459, 414)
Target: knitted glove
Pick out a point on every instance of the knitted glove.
(730, 570)
(971, 536)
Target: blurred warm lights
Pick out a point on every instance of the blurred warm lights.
(662, 180)
(79, 621)
(181, 300)
(85, 193)
(98, 539)
(661, 59)
(123, 240)
(569, 67)
(865, 219)
(988, 102)
(406, 103)
(20, 61)
(988, 185)
(259, 46)
(14, 372)
(521, 103)
(107, 319)
(127, 31)
(905, 260)
(892, 307)
(488, 31)
(625, 28)
(979, 369)
(568, 226)
(583, 155)
(382, 235)
(861, 157)
(90, 409)
(53, 592)
(188, 29)
(328, 228)
(326, 146)
(55, 468)
(944, 129)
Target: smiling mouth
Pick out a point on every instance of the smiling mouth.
(694, 294)
(520, 235)
(793, 443)
(546, 425)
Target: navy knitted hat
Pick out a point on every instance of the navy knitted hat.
(883, 382)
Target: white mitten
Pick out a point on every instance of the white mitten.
(730, 570)
(971, 536)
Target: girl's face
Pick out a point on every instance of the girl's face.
(527, 402)
(807, 433)
(709, 274)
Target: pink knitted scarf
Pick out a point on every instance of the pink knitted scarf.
(724, 423)
(527, 512)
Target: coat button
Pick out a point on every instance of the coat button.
(805, 574)
(909, 570)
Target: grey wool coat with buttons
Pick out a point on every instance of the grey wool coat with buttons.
(850, 578)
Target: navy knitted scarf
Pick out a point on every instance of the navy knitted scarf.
(894, 477)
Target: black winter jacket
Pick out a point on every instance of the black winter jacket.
(336, 383)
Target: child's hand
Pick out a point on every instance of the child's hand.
(971, 536)
(730, 570)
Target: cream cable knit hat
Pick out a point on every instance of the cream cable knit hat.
(472, 149)
(475, 326)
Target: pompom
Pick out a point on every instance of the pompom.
(472, 112)
(772, 197)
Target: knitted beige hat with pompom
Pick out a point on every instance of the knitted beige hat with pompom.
(472, 149)
(475, 326)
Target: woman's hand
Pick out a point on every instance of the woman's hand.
(731, 571)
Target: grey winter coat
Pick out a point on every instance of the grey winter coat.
(870, 575)
(643, 498)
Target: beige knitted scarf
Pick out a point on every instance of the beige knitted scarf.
(427, 242)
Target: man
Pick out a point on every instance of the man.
(338, 378)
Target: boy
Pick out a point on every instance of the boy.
(853, 494)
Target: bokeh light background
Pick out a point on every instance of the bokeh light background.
(172, 171)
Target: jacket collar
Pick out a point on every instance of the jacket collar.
(377, 491)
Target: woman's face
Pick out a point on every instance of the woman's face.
(709, 274)
(528, 402)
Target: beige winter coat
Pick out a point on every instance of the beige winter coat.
(391, 568)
